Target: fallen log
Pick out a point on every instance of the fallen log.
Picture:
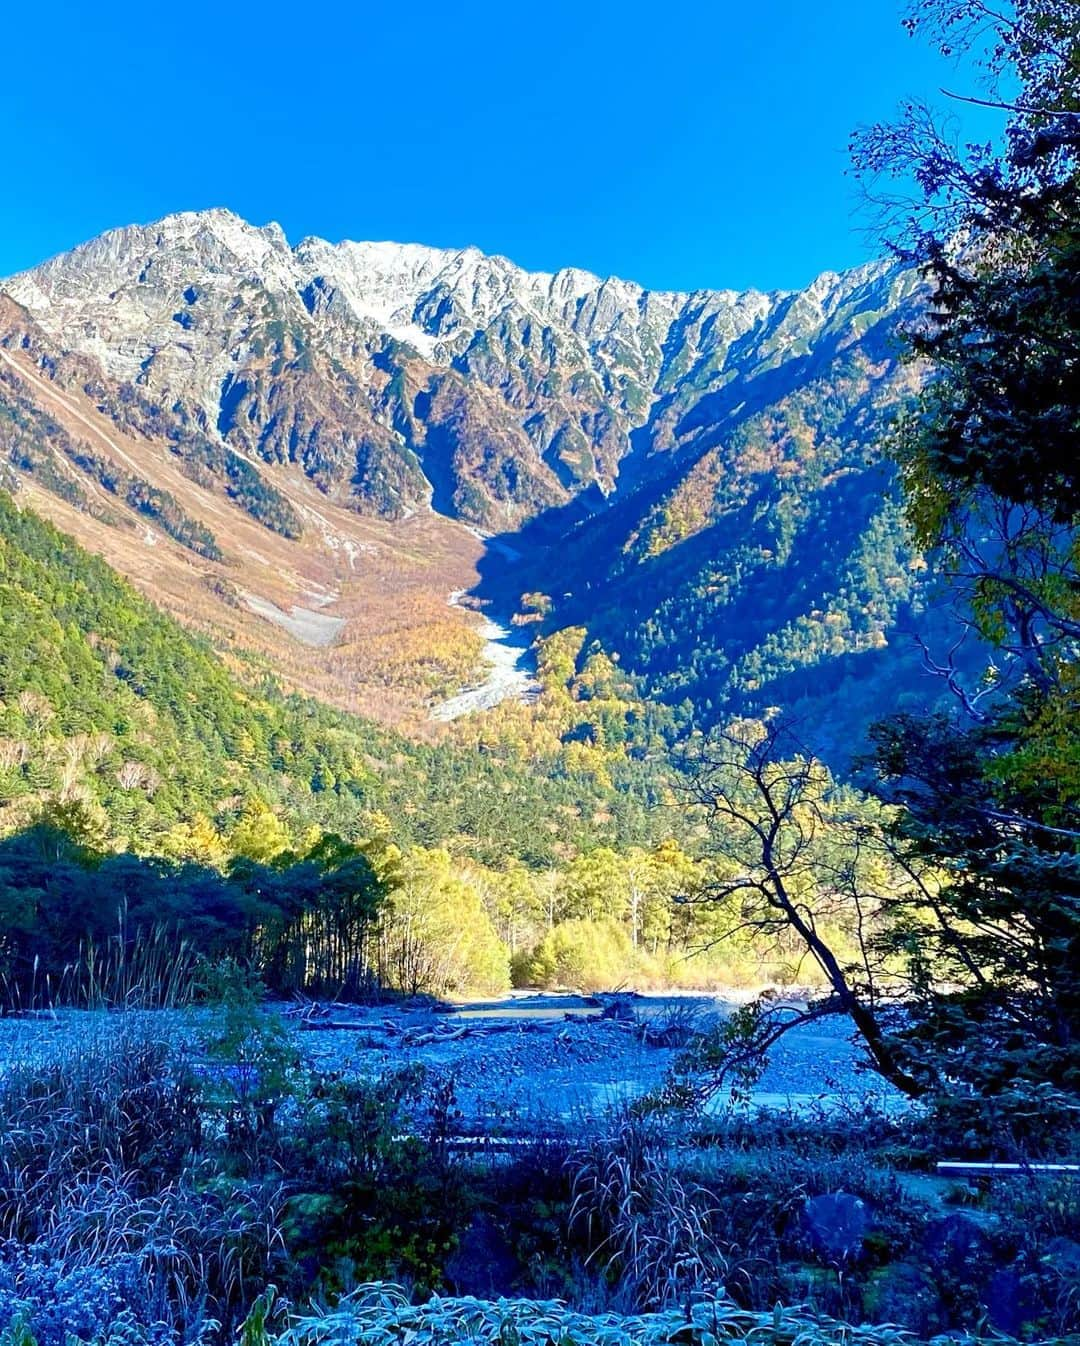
(336, 1025)
(426, 1039)
(416, 1037)
(989, 1169)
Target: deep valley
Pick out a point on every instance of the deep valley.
(539, 810)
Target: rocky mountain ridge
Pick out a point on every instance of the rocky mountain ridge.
(397, 376)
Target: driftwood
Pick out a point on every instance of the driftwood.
(334, 1025)
(414, 1039)
(554, 1001)
(415, 1035)
(435, 1029)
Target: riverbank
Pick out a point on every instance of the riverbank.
(552, 1059)
(560, 1059)
(474, 1150)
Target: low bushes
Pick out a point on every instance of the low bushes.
(151, 1186)
(115, 1100)
(762, 1209)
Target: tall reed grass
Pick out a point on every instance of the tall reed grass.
(142, 969)
(101, 1167)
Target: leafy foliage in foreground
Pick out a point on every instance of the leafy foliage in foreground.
(381, 1315)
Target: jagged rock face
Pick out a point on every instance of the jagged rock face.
(396, 376)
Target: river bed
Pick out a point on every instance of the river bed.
(552, 1061)
(510, 676)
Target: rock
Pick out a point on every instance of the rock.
(958, 1246)
(618, 1006)
(1009, 1303)
(483, 1264)
(837, 1224)
(904, 1293)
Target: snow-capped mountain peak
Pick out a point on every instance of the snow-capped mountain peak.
(397, 373)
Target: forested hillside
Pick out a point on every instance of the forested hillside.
(725, 539)
(122, 733)
(108, 701)
(766, 563)
(143, 780)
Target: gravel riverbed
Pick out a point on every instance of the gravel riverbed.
(571, 1064)
(512, 1066)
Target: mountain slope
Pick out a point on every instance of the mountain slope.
(298, 435)
(396, 375)
(763, 560)
(110, 710)
(352, 608)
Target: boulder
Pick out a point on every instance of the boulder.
(958, 1246)
(836, 1224)
(1009, 1302)
(904, 1293)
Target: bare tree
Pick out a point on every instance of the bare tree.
(794, 855)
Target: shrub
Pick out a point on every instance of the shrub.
(585, 955)
(379, 1191)
(102, 1188)
(648, 1225)
(252, 1071)
(45, 1303)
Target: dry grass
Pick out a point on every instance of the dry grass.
(198, 1253)
(98, 1165)
(647, 1226)
(152, 970)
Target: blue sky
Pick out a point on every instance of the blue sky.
(684, 144)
